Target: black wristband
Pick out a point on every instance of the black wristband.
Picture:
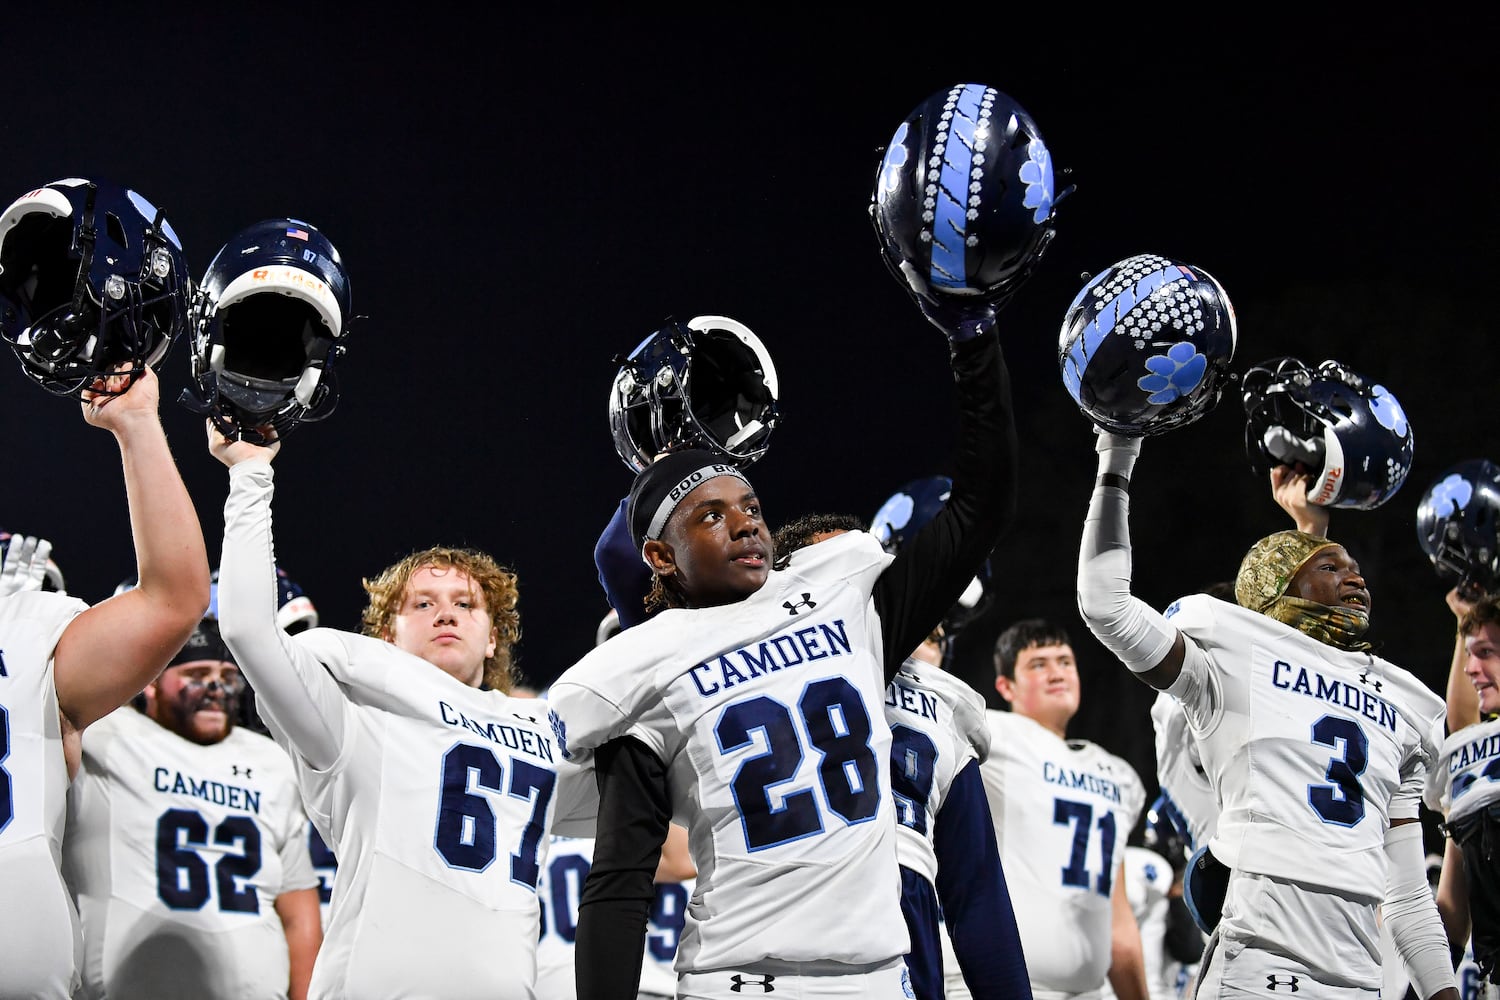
(1119, 482)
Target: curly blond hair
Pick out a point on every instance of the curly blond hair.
(496, 583)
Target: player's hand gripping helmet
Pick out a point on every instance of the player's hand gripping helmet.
(1348, 432)
(93, 283)
(707, 383)
(52, 579)
(1146, 345)
(268, 320)
(906, 512)
(963, 202)
(1458, 526)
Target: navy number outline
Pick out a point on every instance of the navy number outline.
(179, 833)
(1343, 802)
(847, 769)
(1080, 815)
(913, 760)
(465, 831)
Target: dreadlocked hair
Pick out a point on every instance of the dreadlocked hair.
(661, 597)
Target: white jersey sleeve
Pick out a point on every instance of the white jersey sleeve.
(1179, 769)
(1309, 746)
(1063, 810)
(768, 715)
(937, 726)
(177, 852)
(38, 924)
(300, 704)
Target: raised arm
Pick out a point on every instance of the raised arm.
(1289, 490)
(1137, 634)
(1462, 699)
(930, 572)
(111, 651)
(295, 695)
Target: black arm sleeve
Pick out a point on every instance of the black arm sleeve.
(931, 571)
(634, 812)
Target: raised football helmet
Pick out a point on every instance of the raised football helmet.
(707, 383)
(1458, 526)
(906, 512)
(269, 319)
(1167, 831)
(963, 201)
(294, 609)
(1146, 345)
(1348, 432)
(93, 283)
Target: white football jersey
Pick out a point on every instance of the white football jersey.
(937, 726)
(1063, 810)
(176, 852)
(39, 935)
(1314, 750)
(1179, 770)
(438, 809)
(561, 888)
(768, 715)
(1466, 779)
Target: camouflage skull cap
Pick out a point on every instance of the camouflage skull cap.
(1269, 566)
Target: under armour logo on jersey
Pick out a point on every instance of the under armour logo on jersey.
(1364, 678)
(1289, 983)
(761, 983)
(235, 769)
(806, 602)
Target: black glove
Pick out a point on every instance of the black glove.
(960, 317)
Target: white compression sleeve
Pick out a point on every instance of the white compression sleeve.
(300, 702)
(1131, 629)
(1411, 913)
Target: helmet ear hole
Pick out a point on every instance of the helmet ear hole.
(115, 230)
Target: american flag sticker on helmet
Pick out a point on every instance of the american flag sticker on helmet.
(297, 234)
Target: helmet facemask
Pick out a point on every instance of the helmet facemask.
(95, 286)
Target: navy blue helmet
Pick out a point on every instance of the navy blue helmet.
(1348, 432)
(906, 512)
(269, 319)
(93, 283)
(963, 202)
(1458, 526)
(707, 383)
(1146, 345)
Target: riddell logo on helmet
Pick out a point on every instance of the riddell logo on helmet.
(287, 276)
(1329, 487)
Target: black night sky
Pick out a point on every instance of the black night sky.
(518, 199)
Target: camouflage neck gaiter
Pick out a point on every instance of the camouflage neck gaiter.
(1264, 575)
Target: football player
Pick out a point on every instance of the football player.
(88, 309)
(1317, 747)
(65, 665)
(752, 711)
(435, 788)
(186, 845)
(1464, 787)
(1062, 812)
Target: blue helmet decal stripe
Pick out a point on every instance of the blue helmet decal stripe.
(950, 194)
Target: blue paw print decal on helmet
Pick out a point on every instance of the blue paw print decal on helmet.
(1388, 411)
(1036, 173)
(892, 516)
(560, 730)
(1455, 490)
(895, 159)
(1174, 374)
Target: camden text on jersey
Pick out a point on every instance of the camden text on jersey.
(1083, 781)
(176, 783)
(1472, 752)
(523, 740)
(917, 703)
(790, 649)
(1300, 680)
